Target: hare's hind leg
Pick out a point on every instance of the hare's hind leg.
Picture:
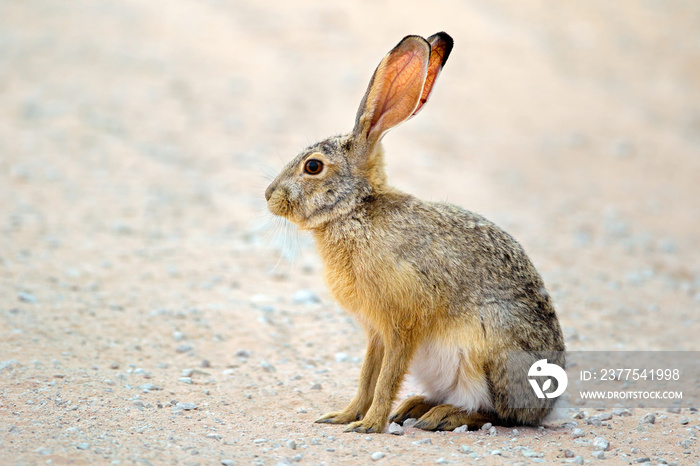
(412, 407)
(449, 417)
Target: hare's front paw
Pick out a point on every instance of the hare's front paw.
(338, 417)
(367, 426)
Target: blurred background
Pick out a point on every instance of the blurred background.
(575, 125)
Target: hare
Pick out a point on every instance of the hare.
(440, 291)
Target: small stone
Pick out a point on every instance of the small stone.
(578, 460)
(495, 452)
(648, 418)
(260, 440)
(644, 459)
(604, 416)
(245, 354)
(184, 348)
(528, 453)
(441, 460)
(26, 297)
(214, 436)
(685, 421)
(395, 429)
(179, 336)
(600, 444)
(461, 429)
(492, 431)
(377, 455)
(467, 449)
(114, 365)
(185, 380)
(187, 372)
(486, 426)
(291, 444)
(316, 386)
(424, 441)
(410, 422)
(599, 455)
(227, 462)
(267, 367)
(674, 409)
(578, 433)
(622, 412)
(148, 387)
(82, 446)
(305, 297)
(186, 406)
(568, 454)
(297, 458)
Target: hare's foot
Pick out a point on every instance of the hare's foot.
(367, 425)
(339, 417)
(412, 407)
(449, 417)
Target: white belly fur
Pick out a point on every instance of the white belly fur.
(446, 376)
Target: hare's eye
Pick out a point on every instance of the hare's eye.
(313, 166)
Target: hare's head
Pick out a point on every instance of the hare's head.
(331, 178)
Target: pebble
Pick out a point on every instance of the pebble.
(461, 429)
(486, 426)
(305, 297)
(578, 460)
(291, 444)
(410, 422)
(467, 449)
(599, 454)
(492, 431)
(604, 416)
(395, 429)
(528, 453)
(184, 348)
(316, 386)
(578, 433)
(424, 441)
(674, 409)
(186, 406)
(644, 459)
(227, 462)
(341, 357)
(600, 444)
(267, 367)
(441, 460)
(568, 454)
(496, 452)
(26, 297)
(82, 446)
(648, 418)
(377, 455)
(622, 412)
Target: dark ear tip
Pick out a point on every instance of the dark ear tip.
(447, 41)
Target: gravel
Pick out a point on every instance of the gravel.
(578, 433)
(600, 444)
(648, 418)
(377, 455)
(395, 429)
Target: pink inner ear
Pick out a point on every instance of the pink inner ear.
(439, 50)
(398, 85)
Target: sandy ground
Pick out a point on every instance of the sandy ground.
(153, 312)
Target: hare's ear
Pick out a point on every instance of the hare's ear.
(440, 48)
(395, 90)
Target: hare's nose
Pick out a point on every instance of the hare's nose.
(268, 192)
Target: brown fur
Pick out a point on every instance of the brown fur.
(421, 277)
